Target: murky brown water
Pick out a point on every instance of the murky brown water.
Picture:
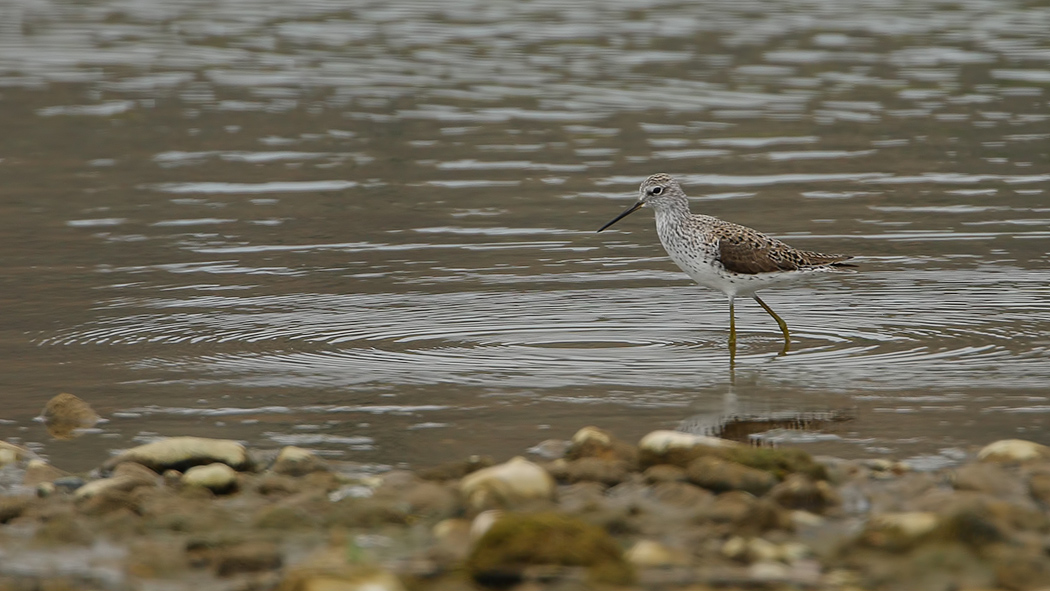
(369, 228)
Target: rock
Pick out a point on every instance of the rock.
(181, 453)
(482, 523)
(218, 478)
(1021, 568)
(12, 507)
(333, 569)
(582, 497)
(68, 483)
(592, 442)
(283, 518)
(516, 541)
(678, 448)
(681, 494)
(39, 471)
(1039, 487)
(1013, 451)
(991, 478)
(368, 580)
(798, 491)
(296, 461)
(329, 570)
(247, 557)
(980, 520)
(550, 449)
(277, 485)
(169, 510)
(762, 550)
(805, 519)
(368, 512)
(431, 500)
(157, 559)
(899, 531)
(172, 478)
(777, 461)
(125, 478)
(664, 473)
(719, 475)
(793, 552)
(651, 554)
(64, 529)
(609, 472)
(457, 470)
(395, 480)
(507, 485)
(107, 501)
(65, 414)
(453, 538)
(735, 548)
(13, 454)
(740, 513)
(751, 550)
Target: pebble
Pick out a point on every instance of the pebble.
(662, 442)
(38, 472)
(598, 444)
(483, 522)
(1013, 451)
(719, 476)
(180, 453)
(296, 461)
(609, 472)
(511, 484)
(773, 518)
(798, 491)
(218, 478)
(65, 415)
(652, 554)
(1039, 487)
(899, 530)
(13, 454)
(124, 479)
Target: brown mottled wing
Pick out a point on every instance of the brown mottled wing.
(743, 250)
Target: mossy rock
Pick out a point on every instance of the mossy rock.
(517, 541)
(779, 462)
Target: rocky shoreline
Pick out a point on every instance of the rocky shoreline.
(675, 511)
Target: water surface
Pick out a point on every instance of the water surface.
(369, 230)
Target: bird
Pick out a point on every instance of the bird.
(727, 257)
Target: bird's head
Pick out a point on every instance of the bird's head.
(656, 191)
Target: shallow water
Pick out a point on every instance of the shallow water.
(370, 230)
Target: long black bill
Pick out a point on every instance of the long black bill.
(625, 213)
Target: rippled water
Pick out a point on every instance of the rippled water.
(369, 229)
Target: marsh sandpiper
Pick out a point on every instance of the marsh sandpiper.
(733, 259)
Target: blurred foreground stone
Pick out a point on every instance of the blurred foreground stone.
(676, 512)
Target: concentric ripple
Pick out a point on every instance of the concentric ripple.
(914, 328)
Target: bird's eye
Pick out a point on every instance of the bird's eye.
(656, 190)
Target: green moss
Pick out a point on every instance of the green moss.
(516, 541)
(779, 462)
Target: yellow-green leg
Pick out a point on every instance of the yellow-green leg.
(732, 331)
(780, 321)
